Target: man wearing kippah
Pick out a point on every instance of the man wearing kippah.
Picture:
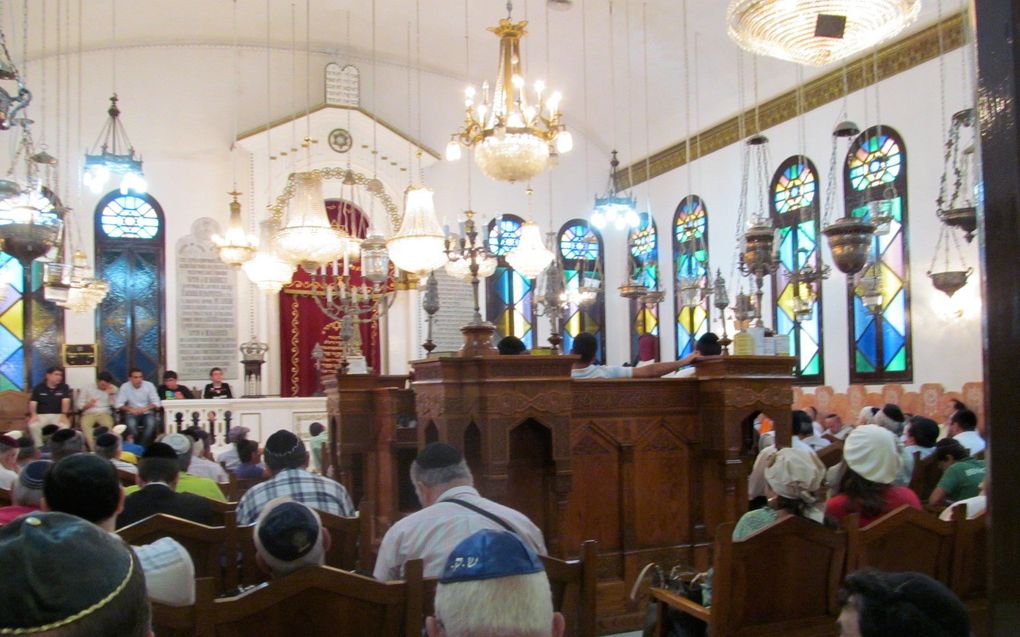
(288, 537)
(92, 585)
(158, 492)
(27, 494)
(452, 511)
(493, 584)
(107, 446)
(286, 459)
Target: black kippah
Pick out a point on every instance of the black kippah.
(49, 430)
(894, 412)
(107, 440)
(438, 455)
(283, 443)
(25, 442)
(160, 450)
(64, 435)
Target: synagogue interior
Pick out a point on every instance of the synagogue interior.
(714, 302)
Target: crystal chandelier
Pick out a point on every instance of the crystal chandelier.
(514, 139)
(113, 154)
(466, 249)
(816, 32)
(530, 257)
(266, 269)
(619, 209)
(236, 247)
(417, 247)
(307, 238)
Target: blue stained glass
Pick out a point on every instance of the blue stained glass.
(580, 252)
(867, 344)
(896, 313)
(862, 317)
(892, 341)
(509, 296)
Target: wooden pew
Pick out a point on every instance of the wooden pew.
(317, 600)
(832, 454)
(574, 590)
(925, 477)
(970, 566)
(782, 580)
(220, 510)
(903, 540)
(127, 479)
(207, 545)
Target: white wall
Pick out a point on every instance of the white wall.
(178, 105)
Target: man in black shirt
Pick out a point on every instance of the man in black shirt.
(170, 390)
(50, 404)
(217, 388)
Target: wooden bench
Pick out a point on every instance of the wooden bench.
(782, 580)
(925, 477)
(127, 479)
(832, 454)
(13, 410)
(906, 539)
(317, 600)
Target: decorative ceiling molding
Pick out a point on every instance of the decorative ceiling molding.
(895, 58)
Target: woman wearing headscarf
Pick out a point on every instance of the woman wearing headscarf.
(872, 461)
(792, 479)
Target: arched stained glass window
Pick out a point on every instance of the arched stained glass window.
(31, 333)
(581, 252)
(509, 296)
(795, 204)
(875, 187)
(130, 325)
(690, 265)
(644, 256)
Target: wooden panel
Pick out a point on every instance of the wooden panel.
(662, 513)
(593, 513)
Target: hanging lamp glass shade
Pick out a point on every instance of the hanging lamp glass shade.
(267, 269)
(236, 246)
(307, 238)
(816, 32)
(530, 257)
(417, 247)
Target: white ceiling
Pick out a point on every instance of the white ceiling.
(442, 29)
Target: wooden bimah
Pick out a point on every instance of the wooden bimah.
(648, 468)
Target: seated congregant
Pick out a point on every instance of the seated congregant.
(707, 345)
(452, 510)
(963, 429)
(138, 401)
(586, 346)
(877, 604)
(511, 346)
(250, 467)
(86, 486)
(27, 451)
(158, 474)
(962, 474)
(49, 404)
(493, 583)
(8, 462)
(872, 461)
(27, 494)
(316, 444)
(920, 436)
(891, 417)
(648, 350)
(189, 482)
(835, 427)
(171, 389)
(66, 442)
(217, 388)
(91, 584)
(228, 456)
(289, 536)
(108, 446)
(127, 441)
(202, 466)
(96, 405)
(803, 433)
(287, 461)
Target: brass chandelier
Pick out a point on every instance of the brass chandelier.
(514, 138)
(816, 32)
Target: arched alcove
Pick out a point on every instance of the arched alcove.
(431, 433)
(473, 448)
(530, 470)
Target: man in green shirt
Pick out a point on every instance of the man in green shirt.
(961, 475)
(320, 436)
(187, 483)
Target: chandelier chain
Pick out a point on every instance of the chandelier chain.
(293, 86)
(45, 85)
(308, 83)
(467, 73)
(644, 75)
(584, 85)
(630, 109)
(269, 107)
(612, 71)
(417, 54)
(113, 39)
(942, 75)
(410, 102)
(687, 98)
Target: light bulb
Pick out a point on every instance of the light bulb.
(452, 150)
(469, 92)
(564, 142)
(554, 101)
(633, 220)
(620, 222)
(611, 214)
(95, 178)
(518, 81)
(598, 220)
(539, 88)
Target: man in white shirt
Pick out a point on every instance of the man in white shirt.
(586, 347)
(108, 446)
(452, 511)
(228, 454)
(963, 429)
(803, 433)
(200, 465)
(96, 404)
(139, 401)
(835, 427)
(87, 486)
(8, 462)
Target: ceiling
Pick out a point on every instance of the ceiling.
(714, 67)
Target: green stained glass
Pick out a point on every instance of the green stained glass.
(509, 297)
(580, 248)
(863, 365)
(690, 265)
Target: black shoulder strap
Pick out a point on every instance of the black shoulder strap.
(480, 511)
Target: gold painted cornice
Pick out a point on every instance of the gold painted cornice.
(902, 55)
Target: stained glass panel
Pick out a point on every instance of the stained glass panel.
(644, 252)
(129, 256)
(880, 345)
(690, 265)
(581, 253)
(798, 310)
(509, 297)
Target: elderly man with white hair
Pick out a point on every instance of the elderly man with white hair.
(494, 584)
(288, 537)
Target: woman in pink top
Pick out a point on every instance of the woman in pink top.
(867, 488)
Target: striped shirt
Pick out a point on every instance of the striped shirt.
(299, 485)
(432, 533)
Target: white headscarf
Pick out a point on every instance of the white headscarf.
(796, 474)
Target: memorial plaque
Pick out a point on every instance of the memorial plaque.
(206, 306)
(80, 355)
(456, 307)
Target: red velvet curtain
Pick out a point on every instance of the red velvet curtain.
(303, 324)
